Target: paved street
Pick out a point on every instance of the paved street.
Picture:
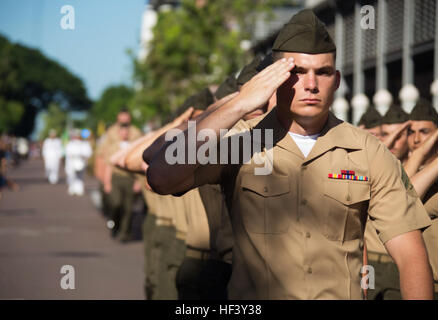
(42, 228)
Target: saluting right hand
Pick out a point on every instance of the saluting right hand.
(257, 92)
(389, 141)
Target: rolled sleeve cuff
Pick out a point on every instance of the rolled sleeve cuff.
(404, 228)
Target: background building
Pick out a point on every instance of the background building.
(385, 50)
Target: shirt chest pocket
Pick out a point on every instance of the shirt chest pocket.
(264, 203)
(345, 213)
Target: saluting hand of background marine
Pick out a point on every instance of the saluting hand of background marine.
(257, 92)
(390, 140)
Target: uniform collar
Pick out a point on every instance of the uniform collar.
(332, 135)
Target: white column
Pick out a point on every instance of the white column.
(359, 102)
(148, 20)
(340, 105)
(382, 98)
(408, 94)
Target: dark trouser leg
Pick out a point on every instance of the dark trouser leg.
(126, 184)
(188, 279)
(148, 234)
(387, 285)
(114, 199)
(166, 285)
(214, 278)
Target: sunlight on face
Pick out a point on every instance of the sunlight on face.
(418, 132)
(309, 91)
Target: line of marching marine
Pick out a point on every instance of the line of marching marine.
(188, 239)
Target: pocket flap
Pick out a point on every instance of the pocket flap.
(266, 186)
(347, 193)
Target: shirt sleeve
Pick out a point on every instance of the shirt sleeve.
(213, 173)
(431, 206)
(394, 206)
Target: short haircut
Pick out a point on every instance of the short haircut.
(124, 109)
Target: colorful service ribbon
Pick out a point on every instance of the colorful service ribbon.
(349, 176)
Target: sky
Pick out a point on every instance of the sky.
(95, 50)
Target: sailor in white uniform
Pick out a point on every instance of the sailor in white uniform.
(77, 153)
(52, 154)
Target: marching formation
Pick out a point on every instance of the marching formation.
(336, 198)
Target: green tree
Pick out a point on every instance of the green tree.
(10, 114)
(194, 46)
(109, 104)
(35, 81)
(55, 118)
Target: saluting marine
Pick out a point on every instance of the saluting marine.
(298, 233)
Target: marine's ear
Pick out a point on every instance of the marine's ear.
(338, 80)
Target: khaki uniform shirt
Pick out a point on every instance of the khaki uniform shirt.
(180, 217)
(430, 235)
(221, 233)
(150, 199)
(299, 234)
(164, 211)
(198, 231)
(372, 240)
(112, 142)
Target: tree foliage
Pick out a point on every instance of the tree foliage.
(109, 104)
(10, 114)
(55, 118)
(194, 46)
(35, 81)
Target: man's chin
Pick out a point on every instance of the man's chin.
(309, 113)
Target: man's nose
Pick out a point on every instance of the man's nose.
(311, 83)
(417, 137)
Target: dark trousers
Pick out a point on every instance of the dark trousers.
(120, 202)
(203, 279)
(387, 284)
(166, 256)
(148, 230)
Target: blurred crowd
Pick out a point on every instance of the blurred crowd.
(12, 151)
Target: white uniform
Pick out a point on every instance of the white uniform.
(76, 154)
(52, 154)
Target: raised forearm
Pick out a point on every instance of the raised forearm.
(425, 178)
(167, 179)
(151, 150)
(414, 162)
